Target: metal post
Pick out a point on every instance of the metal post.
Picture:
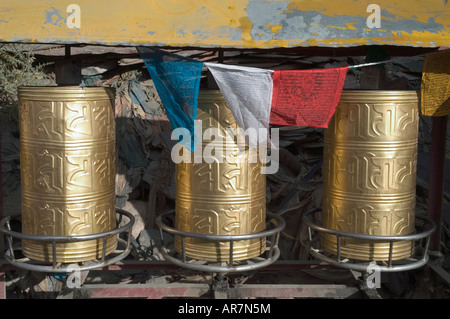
(437, 166)
(2, 243)
(68, 69)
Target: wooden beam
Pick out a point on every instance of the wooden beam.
(260, 24)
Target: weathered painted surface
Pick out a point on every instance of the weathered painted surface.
(228, 23)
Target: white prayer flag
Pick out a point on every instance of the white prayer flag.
(248, 92)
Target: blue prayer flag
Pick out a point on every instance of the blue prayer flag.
(177, 80)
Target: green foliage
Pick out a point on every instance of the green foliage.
(17, 67)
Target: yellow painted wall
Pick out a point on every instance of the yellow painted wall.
(227, 23)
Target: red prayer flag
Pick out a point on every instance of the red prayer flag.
(306, 97)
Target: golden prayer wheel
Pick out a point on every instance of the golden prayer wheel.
(369, 173)
(67, 157)
(224, 197)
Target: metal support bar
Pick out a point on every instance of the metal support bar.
(206, 290)
(439, 279)
(280, 265)
(2, 241)
(437, 166)
(442, 273)
(369, 292)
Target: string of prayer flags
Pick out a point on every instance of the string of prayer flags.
(177, 81)
(288, 97)
(435, 85)
(256, 97)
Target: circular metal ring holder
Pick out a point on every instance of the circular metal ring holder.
(275, 225)
(387, 266)
(53, 265)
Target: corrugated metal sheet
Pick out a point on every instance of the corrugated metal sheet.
(228, 23)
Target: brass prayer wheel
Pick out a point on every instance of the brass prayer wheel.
(224, 197)
(67, 157)
(369, 173)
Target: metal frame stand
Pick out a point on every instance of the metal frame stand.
(275, 225)
(389, 266)
(220, 286)
(54, 266)
(368, 268)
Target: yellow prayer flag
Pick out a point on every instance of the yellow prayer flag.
(435, 93)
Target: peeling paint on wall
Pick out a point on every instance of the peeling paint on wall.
(53, 16)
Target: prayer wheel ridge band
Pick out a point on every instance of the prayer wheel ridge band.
(225, 197)
(369, 172)
(67, 157)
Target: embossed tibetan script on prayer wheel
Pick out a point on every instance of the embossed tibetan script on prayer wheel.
(369, 172)
(67, 158)
(226, 196)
